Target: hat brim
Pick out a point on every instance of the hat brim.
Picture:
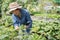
(15, 8)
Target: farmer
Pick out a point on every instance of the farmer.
(20, 16)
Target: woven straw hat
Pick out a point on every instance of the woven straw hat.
(14, 6)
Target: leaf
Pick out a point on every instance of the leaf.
(3, 36)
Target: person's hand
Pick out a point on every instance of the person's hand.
(27, 27)
(16, 28)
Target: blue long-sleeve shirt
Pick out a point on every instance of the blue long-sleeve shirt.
(25, 18)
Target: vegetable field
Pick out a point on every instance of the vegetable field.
(42, 29)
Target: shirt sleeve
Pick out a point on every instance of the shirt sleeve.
(14, 19)
(29, 20)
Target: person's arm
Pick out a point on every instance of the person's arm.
(15, 23)
(29, 21)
